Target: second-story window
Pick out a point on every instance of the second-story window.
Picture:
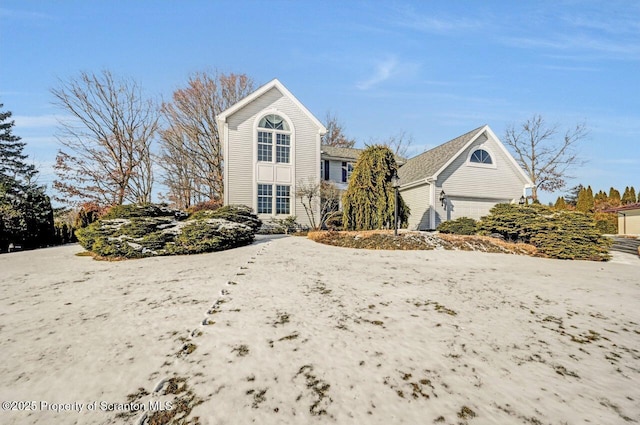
(274, 127)
(347, 169)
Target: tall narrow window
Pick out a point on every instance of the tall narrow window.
(283, 147)
(269, 126)
(265, 146)
(283, 199)
(265, 199)
(326, 170)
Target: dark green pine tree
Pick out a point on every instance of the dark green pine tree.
(12, 160)
(572, 196)
(369, 202)
(26, 216)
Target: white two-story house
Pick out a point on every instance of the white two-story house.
(272, 143)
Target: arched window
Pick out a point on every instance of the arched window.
(274, 127)
(481, 156)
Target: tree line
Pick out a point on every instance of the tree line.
(583, 199)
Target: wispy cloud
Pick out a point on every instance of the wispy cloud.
(409, 18)
(623, 161)
(37, 121)
(389, 68)
(383, 71)
(22, 14)
(571, 68)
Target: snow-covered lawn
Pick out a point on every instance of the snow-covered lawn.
(290, 331)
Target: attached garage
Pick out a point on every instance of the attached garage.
(475, 208)
(465, 177)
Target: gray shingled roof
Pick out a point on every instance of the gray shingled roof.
(341, 153)
(428, 163)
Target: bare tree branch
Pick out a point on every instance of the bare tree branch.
(105, 156)
(545, 159)
(191, 149)
(335, 133)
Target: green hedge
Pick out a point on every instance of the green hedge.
(132, 231)
(556, 233)
(459, 226)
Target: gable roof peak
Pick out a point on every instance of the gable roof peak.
(274, 83)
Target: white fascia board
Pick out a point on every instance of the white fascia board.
(527, 180)
(275, 83)
(416, 183)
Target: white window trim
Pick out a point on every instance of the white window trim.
(291, 164)
(493, 164)
(274, 144)
(274, 200)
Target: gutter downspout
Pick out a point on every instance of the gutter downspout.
(432, 202)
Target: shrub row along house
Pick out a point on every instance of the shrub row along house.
(272, 142)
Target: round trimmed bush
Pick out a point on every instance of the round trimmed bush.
(459, 226)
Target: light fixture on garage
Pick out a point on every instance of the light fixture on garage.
(443, 199)
(395, 182)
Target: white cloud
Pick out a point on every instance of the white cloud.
(383, 71)
(619, 49)
(37, 121)
(22, 14)
(409, 18)
(390, 68)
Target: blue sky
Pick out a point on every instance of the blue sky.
(433, 69)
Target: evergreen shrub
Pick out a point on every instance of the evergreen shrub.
(135, 231)
(459, 226)
(606, 223)
(236, 213)
(559, 234)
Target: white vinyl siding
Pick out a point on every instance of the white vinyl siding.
(417, 199)
(502, 181)
(303, 152)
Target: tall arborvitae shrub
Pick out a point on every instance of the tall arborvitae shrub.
(629, 196)
(369, 201)
(556, 233)
(560, 204)
(614, 197)
(585, 201)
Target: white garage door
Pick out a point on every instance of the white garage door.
(467, 207)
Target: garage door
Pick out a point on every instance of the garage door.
(469, 207)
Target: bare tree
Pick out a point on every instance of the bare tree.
(400, 144)
(545, 158)
(313, 194)
(335, 133)
(191, 150)
(105, 156)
